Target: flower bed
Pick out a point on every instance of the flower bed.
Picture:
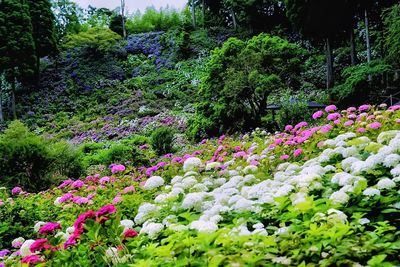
(323, 195)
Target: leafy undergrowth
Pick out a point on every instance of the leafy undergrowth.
(310, 196)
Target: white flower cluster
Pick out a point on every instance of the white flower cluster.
(237, 189)
(154, 182)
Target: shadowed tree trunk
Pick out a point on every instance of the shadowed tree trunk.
(329, 64)
(13, 108)
(367, 36)
(353, 52)
(123, 18)
(193, 4)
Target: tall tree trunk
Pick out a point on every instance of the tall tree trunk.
(123, 18)
(233, 19)
(353, 52)
(13, 108)
(367, 36)
(193, 14)
(37, 71)
(329, 64)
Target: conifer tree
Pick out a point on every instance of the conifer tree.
(17, 47)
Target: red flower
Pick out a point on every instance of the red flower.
(107, 209)
(130, 233)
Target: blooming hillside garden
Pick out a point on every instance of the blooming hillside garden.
(324, 195)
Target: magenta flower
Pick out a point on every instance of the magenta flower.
(177, 160)
(298, 152)
(284, 157)
(374, 125)
(39, 245)
(240, 154)
(330, 108)
(4, 253)
(326, 128)
(278, 141)
(351, 110)
(130, 233)
(16, 190)
(107, 209)
(66, 197)
(301, 125)
(31, 259)
(333, 116)
(49, 227)
(317, 115)
(117, 168)
(394, 108)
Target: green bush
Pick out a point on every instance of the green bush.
(294, 108)
(239, 78)
(392, 36)
(161, 140)
(33, 162)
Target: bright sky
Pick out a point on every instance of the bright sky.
(132, 5)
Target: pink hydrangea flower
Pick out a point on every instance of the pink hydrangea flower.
(117, 168)
(333, 116)
(107, 209)
(298, 152)
(301, 125)
(330, 108)
(288, 128)
(394, 108)
(278, 141)
(65, 183)
(351, 110)
(398, 121)
(49, 227)
(337, 122)
(317, 115)
(348, 123)
(284, 157)
(129, 189)
(66, 197)
(374, 125)
(364, 107)
(81, 200)
(361, 130)
(240, 154)
(326, 128)
(16, 190)
(144, 147)
(117, 200)
(104, 180)
(78, 184)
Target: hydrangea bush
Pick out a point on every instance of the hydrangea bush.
(314, 195)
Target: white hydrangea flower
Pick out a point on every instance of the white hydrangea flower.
(178, 227)
(371, 192)
(146, 210)
(154, 182)
(176, 179)
(191, 164)
(363, 221)
(24, 250)
(336, 216)
(339, 197)
(391, 160)
(188, 182)
(282, 260)
(395, 171)
(386, 183)
(204, 226)
(57, 202)
(70, 230)
(258, 226)
(62, 235)
(386, 136)
(194, 200)
(243, 204)
(152, 229)
(348, 162)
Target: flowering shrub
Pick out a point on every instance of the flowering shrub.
(323, 195)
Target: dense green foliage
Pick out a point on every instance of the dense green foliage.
(239, 78)
(161, 140)
(33, 162)
(392, 40)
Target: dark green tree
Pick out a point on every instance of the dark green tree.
(239, 78)
(44, 30)
(116, 25)
(17, 47)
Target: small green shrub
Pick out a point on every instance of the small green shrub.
(161, 140)
(33, 162)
